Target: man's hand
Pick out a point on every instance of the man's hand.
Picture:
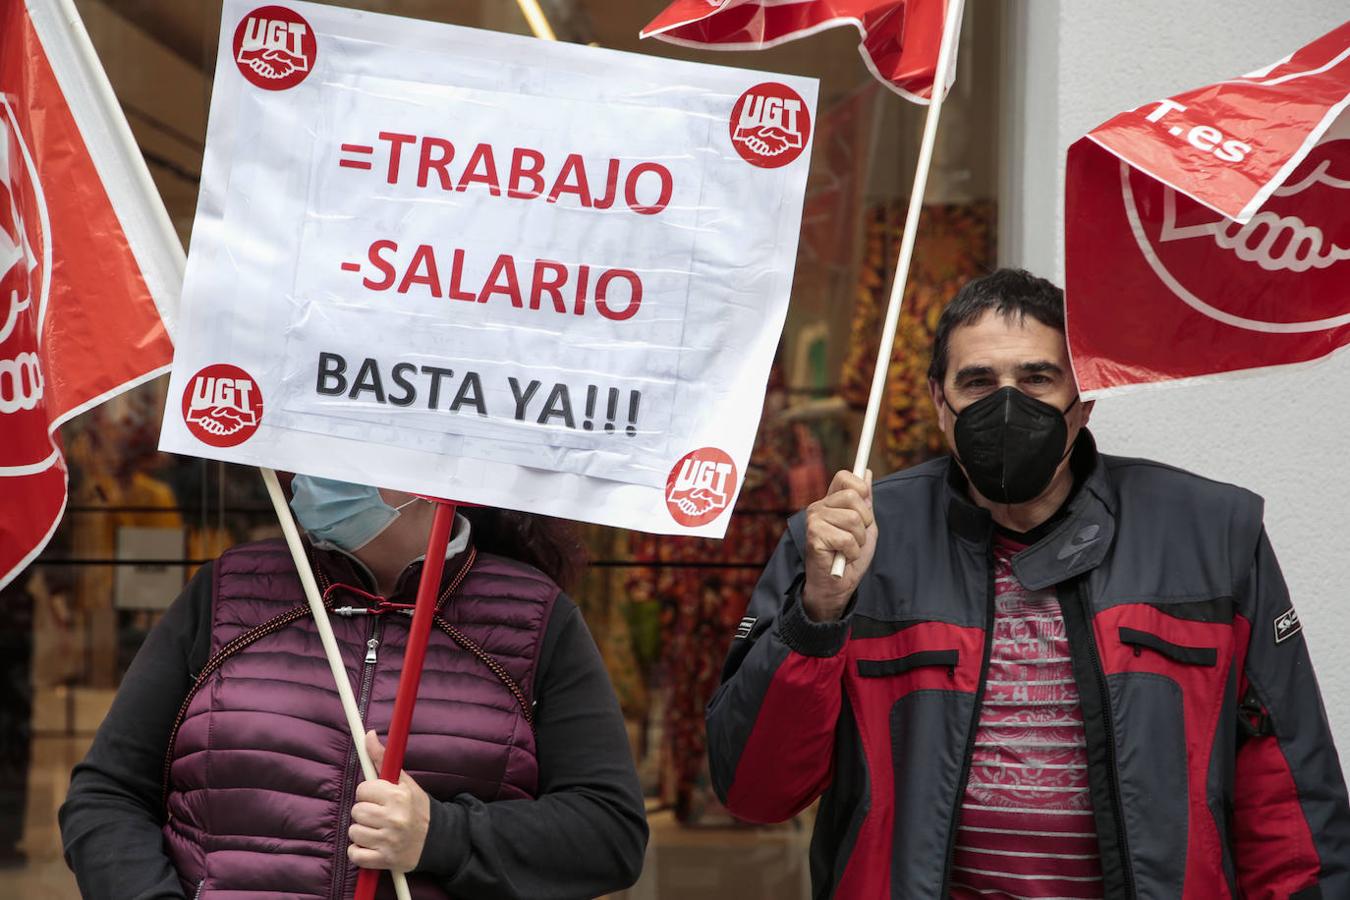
(842, 522)
(389, 821)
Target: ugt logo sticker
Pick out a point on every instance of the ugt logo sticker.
(700, 487)
(274, 48)
(770, 125)
(222, 405)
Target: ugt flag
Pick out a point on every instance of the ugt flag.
(900, 37)
(1209, 233)
(86, 253)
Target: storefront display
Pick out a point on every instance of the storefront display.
(955, 243)
(703, 587)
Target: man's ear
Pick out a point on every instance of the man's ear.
(939, 402)
(1087, 411)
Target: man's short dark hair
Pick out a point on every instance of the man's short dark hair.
(1012, 293)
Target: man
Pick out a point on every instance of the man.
(1045, 672)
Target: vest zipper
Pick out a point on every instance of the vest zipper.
(363, 703)
(349, 780)
(198, 893)
(974, 720)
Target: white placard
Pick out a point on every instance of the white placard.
(488, 268)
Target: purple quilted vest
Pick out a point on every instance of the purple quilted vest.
(261, 769)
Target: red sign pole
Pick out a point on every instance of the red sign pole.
(419, 632)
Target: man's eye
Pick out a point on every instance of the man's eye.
(1038, 379)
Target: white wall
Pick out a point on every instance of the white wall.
(1072, 65)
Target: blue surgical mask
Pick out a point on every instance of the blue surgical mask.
(340, 514)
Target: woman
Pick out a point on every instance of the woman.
(225, 766)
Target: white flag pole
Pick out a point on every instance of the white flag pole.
(320, 613)
(538, 21)
(951, 27)
(116, 124)
(330, 647)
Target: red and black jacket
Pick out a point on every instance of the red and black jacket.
(1212, 769)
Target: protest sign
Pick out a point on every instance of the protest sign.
(484, 267)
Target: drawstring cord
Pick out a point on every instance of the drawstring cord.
(378, 605)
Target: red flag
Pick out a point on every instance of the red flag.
(900, 37)
(83, 257)
(1210, 233)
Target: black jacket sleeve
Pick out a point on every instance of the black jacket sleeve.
(113, 815)
(586, 833)
(1291, 815)
(772, 722)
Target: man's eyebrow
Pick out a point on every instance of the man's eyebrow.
(974, 372)
(1040, 367)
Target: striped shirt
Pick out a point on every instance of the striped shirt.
(1026, 822)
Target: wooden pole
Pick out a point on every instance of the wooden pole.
(341, 680)
(951, 26)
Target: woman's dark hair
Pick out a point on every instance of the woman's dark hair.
(553, 546)
(1013, 293)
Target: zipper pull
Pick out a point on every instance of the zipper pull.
(371, 646)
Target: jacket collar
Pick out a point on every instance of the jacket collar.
(1076, 545)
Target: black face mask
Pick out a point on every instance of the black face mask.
(1010, 444)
